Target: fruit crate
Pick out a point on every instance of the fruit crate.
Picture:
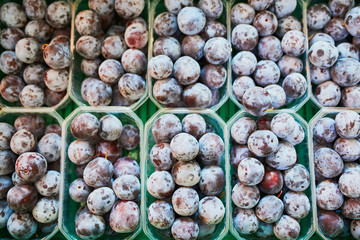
(145, 112)
(5, 104)
(9, 115)
(68, 207)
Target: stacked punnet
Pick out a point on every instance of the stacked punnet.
(268, 64)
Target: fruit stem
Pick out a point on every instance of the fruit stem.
(44, 46)
(270, 109)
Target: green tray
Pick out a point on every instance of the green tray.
(76, 75)
(300, 14)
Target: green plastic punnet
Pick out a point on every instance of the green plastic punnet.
(68, 207)
(157, 7)
(5, 104)
(147, 169)
(9, 115)
(76, 75)
(330, 113)
(309, 3)
(308, 224)
(300, 14)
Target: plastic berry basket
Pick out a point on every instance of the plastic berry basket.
(68, 207)
(76, 75)
(147, 169)
(5, 104)
(331, 113)
(308, 224)
(309, 3)
(157, 7)
(300, 14)
(9, 115)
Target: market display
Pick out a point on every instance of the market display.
(189, 175)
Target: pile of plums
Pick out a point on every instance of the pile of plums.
(269, 44)
(35, 34)
(29, 176)
(334, 52)
(113, 50)
(188, 180)
(337, 172)
(190, 51)
(268, 181)
(108, 183)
